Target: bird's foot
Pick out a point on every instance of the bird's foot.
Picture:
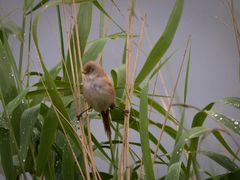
(126, 112)
(80, 115)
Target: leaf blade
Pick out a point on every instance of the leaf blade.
(28, 119)
(163, 43)
(147, 160)
(230, 123)
(222, 160)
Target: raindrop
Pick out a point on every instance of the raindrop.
(57, 162)
(215, 115)
(236, 122)
(220, 118)
(46, 6)
(186, 139)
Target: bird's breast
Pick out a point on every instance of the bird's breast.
(97, 93)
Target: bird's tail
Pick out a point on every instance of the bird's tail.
(106, 122)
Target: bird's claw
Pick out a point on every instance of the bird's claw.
(126, 112)
(79, 116)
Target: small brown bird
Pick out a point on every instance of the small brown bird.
(99, 92)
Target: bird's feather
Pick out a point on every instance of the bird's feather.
(106, 122)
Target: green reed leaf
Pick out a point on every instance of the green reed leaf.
(163, 43)
(28, 120)
(146, 152)
(222, 160)
(231, 123)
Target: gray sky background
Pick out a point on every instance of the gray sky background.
(214, 71)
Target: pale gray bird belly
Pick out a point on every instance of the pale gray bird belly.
(96, 95)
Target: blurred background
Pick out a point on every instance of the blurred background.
(214, 69)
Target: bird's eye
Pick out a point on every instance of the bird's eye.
(91, 69)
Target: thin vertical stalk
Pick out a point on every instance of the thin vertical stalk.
(166, 92)
(71, 61)
(235, 28)
(170, 104)
(125, 148)
(68, 44)
(162, 81)
(94, 170)
(101, 22)
(103, 34)
(139, 45)
(29, 48)
(108, 20)
(74, 92)
(77, 93)
(60, 31)
(95, 173)
(23, 37)
(128, 87)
